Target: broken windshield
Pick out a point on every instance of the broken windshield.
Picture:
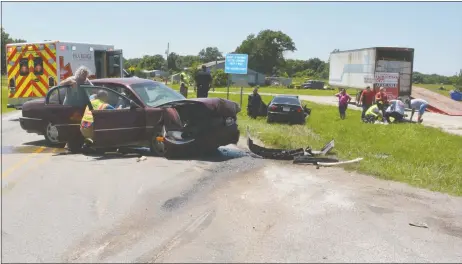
(154, 93)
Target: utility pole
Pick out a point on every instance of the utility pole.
(166, 61)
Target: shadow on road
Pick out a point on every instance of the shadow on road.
(37, 143)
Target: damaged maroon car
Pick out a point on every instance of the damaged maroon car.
(147, 114)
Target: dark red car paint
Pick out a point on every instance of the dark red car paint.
(135, 127)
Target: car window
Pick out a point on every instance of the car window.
(57, 96)
(111, 97)
(286, 100)
(155, 93)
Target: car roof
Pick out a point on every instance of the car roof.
(122, 81)
(286, 96)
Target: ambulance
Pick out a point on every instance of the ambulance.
(33, 68)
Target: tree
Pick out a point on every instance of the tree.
(188, 60)
(150, 63)
(266, 50)
(173, 62)
(210, 54)
(7, 40)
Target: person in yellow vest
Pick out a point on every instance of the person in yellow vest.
(98, 103)
(183, 85)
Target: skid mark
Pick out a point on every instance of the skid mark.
(184, 236)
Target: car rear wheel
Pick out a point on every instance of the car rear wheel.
(51, 136)
(269, 119)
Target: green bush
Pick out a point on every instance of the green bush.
(220, 78)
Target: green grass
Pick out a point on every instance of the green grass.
(5, 96)
(418, 155)
(434, 88)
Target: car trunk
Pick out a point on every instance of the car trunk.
(284, 108)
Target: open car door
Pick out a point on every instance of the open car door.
(124, 125)
(64, 107)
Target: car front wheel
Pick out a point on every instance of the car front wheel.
(158, 147)
(51, 136)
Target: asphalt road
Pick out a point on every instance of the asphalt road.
(227, 208)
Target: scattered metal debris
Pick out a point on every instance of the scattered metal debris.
(421, 225)
(300, 155)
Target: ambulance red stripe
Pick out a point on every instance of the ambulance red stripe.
(44, 59)
(17, 61)
(12, 54)
(50, 53)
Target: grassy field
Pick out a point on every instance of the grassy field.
(5, 96)
(411, 153)
(276, 90)
(434, 88)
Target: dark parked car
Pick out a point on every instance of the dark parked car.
(311, 84)
(287, 108)
(150, 115)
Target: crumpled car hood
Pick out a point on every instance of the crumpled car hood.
(218, 106)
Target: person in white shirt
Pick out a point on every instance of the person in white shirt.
(395, 110)
(419, 105)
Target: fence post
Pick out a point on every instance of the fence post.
(227, 92)
(241, 95)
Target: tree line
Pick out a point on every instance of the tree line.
(266, 55)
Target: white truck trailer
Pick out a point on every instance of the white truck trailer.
(389, 67)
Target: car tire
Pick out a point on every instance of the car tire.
(51, 136)
(269, 120)
(158, 148)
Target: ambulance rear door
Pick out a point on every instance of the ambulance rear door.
(114, 63)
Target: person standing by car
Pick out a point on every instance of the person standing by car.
(366, 100)
(203, 81)
(255, 103)
(419, 105)
(74, 96)
(343, 100)
(98, 103)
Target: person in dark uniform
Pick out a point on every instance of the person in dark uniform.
(203, 82)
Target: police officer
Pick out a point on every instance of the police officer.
(203, 81)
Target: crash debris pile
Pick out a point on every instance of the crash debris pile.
(300, 155)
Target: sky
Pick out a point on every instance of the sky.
(433, 29)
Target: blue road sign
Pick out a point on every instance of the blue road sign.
(236, 63)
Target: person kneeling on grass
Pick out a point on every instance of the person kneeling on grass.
(395, 110)
(343, 100)
(98, 103)
(373, 114)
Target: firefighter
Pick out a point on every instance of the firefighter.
(98, 103)
(373, 114)
(183, 85)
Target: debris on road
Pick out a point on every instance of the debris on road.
(421, 225)
(141, 158)
(300, 155)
